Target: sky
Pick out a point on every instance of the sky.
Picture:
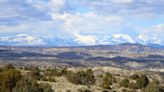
(81, 22)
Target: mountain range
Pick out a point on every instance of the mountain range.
(28, 40)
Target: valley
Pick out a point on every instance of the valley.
(124, 56)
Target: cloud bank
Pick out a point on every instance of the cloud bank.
(83, 22)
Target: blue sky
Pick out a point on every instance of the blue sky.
(81, 22)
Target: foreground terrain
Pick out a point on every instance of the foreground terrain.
(111, 68)
(79, 79)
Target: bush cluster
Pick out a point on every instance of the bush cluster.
(11, 80)
(81, 77)
(141, 82)
(108, 80)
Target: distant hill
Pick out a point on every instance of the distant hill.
(126, 55)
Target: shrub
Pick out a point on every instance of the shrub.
(152, 87)
(68, 90)
(133, 85)
(26, 85)
(106, 83)
(109, 75)
(30, 85)
(50, 79)
(105, 91)
(11, 81)
(81, 77)
(56, 72)
(64, 71)
(36, 73)
(124, 83)
(142, 81)
(100, 76)
(134, 76)
(8, 67)
(84, 90)
(8, 78)
(45, 88)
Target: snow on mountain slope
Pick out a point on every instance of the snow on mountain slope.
(21, 40)
(27, 40)
(121, 38)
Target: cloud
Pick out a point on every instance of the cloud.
(123, 1)
(135, 8)
(14, 12)
(158, 28)
(145, 39)
(86, 22)
(151, 34)
(122, 38)
(86, 39)
(57, 5)
(142, 38)
(22, 39)
(83, 26)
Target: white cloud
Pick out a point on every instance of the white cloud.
(127, 7)
(156, 40)
(67, 19)
(56, 5)
(122, 38)
(39, 4)
(89, 23)
(146, 39)
(23, 39)
(85, 39)
(141, 38)
(123, 1)
(158, 28)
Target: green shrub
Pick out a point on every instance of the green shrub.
(8, 78)
(133, 85)
(64, 71)
(50, 79)
(81, 77)
(68, 91)
(84, 90)
(134, 76)
(105, 91)
(109, 75)
(100, 76)
(54, 72)
(142, 81)
(36, 73)
(124, 83)
(106, 83)
(30, 85)
(45, 88)
(153, 87)
(26, 85)
(11, 81)
(8, 67)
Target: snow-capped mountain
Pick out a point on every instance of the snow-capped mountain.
(28, 40)
(121, 38)
(21, 40)
(124, 38)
